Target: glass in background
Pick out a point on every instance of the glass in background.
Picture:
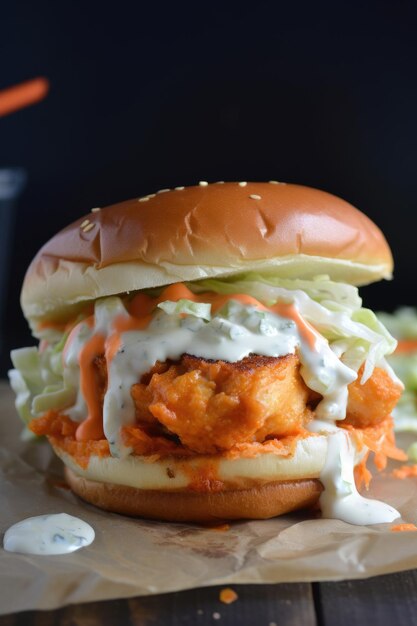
(12, 182)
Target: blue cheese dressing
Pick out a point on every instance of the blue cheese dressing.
(48, 535)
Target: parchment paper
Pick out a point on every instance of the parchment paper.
(134, 557)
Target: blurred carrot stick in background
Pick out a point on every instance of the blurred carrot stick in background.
(19, 96)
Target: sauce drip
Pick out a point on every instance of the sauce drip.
(340, 498)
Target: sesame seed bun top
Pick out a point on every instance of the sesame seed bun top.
(203, 231)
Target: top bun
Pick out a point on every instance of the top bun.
(199, 232)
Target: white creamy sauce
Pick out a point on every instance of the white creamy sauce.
(48, 535)
(340, 498)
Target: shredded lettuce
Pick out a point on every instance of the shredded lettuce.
(321, 288)
(334, 309)
(186, 307)
(39, 382)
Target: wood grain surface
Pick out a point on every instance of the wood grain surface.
(257, 605)
(384, 600)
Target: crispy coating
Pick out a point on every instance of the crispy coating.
(212, 405)
(369, 404)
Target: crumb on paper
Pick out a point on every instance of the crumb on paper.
(405, 471)
(216, 615)
(219, 527)
(403, 527)
(227, 596)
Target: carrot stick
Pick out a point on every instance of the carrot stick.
(406, 345)
(19, 96)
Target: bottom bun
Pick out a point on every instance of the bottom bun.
(260, 502)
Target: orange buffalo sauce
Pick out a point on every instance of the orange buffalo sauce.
(61, 431)
(307, 332)
(92, 427)
(204, 477)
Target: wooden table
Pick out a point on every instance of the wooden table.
(382, 601)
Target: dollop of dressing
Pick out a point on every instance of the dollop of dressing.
(340, 498)
(48, 534)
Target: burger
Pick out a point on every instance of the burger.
(204, 354)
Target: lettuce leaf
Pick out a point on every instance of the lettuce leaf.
(186, 307)
(38, 381)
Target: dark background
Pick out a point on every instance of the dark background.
(146, 96)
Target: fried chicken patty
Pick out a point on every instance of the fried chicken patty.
(369, 404)
(209, 406)
(212, 405)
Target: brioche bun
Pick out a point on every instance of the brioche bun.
(261, 502)
(245, 488)
(199, 232)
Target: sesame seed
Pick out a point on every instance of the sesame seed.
(203, 183)
(96, 209)
(243, 184)
(255, 196)
(144, 199)
(84, 223)
(216, 615)
(273, 182)
(88, 227)
(151, 195)
(163, 190)
(220, 182)
(179, 188)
